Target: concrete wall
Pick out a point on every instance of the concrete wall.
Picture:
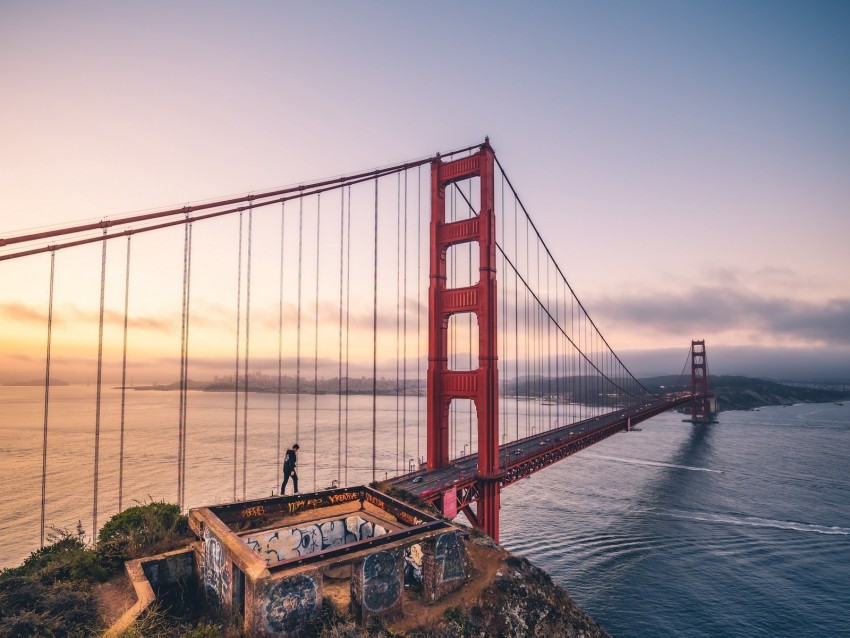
(283, 606)
(377, 585)
(217, 570)
(169, 569)
(442, 565)
(291, 542)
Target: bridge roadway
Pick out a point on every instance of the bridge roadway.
(521, 458)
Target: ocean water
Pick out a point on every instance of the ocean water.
(739, 528)
(736, 528)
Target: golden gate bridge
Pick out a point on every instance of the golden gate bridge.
(518, 375)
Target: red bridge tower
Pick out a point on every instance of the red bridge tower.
(482, 384)
(701, 407)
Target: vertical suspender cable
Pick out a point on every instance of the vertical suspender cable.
(516, 319)
(236, 374)
(375, 340)
(504, 339)
(418, 303)
(528, 362)
(298, 329)
(557, 350)
(247, 354)
(538, 346)
(316, 340)
(404, 341)
(47, 394)
(182, 364)
(279, 346)
(469, 321)
(339, 369)
(397, 314)
(124, 378)
(347, 324)
(453, 333)
(99, 386)
(186, 366)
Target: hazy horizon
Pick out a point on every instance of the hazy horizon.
(788, 364)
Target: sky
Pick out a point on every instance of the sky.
(688, 163)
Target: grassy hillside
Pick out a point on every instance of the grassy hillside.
(745, 393)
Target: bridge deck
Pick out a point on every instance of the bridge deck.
(521, 458)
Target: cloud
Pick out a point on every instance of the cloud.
(19, 312)
(22, 313)
(716, 310)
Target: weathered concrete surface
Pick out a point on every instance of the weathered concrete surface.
(149, 573)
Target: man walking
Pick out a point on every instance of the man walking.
(289, 463)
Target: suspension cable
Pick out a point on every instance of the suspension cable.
(99, 387)
(539, 301)
(516, 320)
(186, 366)
(404, 342)
(375, 341)
(347, 325)
(316, 335)
(280, 345)
(182, 365)
(469, 331)
(563, 276)
(47, 396)
(124, 378)
(339, 368)
(298, 329)
(418, 306)
(328, 184)
(397, 316)
(247, 357)
(236, 374)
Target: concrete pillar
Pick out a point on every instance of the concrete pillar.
(282, 607)
(377, 585)
(442, 566)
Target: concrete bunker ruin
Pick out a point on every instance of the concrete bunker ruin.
(270, 562)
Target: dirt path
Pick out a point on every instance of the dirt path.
(113, 598)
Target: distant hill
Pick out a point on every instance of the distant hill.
(35, 382)
(745, 393)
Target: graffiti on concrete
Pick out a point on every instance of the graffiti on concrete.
(381, 584)
(448, 555)
(291, 603)
(217, 577)
(293, 542)
(413, 563)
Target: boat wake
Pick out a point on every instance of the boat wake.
(754, 521)
(617, 459)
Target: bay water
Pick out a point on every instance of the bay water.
(741, 527)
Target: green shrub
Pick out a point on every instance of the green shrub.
(66, 558)
(141, 530)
